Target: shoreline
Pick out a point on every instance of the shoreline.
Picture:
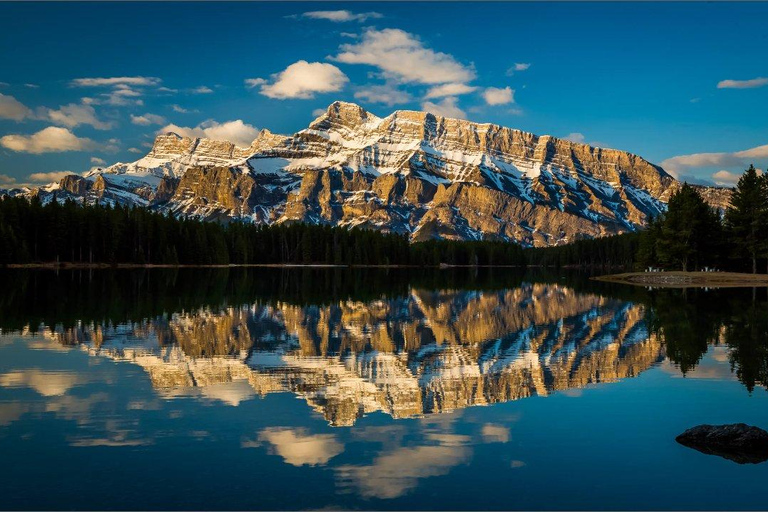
(113, 266)
(680, 279)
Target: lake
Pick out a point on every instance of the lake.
(372, 389)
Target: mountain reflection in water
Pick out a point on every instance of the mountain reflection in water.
(423, 352)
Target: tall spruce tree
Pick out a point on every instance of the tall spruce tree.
(690, 232)
(747, 218)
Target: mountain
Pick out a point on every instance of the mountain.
(413, 173)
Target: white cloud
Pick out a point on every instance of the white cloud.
(120, 96)
(440, 91)
(147, 119)
(7, 180)
(202, 90)
(737, 159)
(98, 161)
(575, 137)
(402, 57)
(182, 110)
(48, 177)
(122, 80)
(497, 96)
(447, 108)
(303, 80)
(250, 83)
(341, 16)
(742, 84)
(167, 90)
(518, 66)
(135, 150)
(237, 132)
(75, 114)
(726, 178)
(318, 112)
(298, 448)
(48, 140)
(493, 433)
(125, 90)
(11, 108)
(47, 383)
(386, 94)
(395, 473)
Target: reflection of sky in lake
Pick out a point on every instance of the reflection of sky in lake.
(525, 398)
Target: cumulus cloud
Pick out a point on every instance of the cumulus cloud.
(518, 66)
(119, 97)
(401, 56)
(737, 159)
(237, 132)
(742, 84)
(726, 178)
(147, 119)
(98, 161)
(7, 180)
(114, 81)
(447, 108)
(303, 80)
(395, 473)
(497, 96)
(202, 90)
(75, 114)
(182, 110)
(341, 16)
(298, 448)
(318, 112)
(575, 137)
(48, 140)
(441, 91)
(493, 433)
(386, 94)
(71, 115)
(250, 83)
(48, 177)
(46, 383)
(135, 150)
(11, 108)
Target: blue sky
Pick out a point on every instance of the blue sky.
(681, 84)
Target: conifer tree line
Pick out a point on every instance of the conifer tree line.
(690, 235)
(31, 232)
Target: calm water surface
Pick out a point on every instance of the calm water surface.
(304, 389)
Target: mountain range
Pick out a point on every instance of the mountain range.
(414, 173)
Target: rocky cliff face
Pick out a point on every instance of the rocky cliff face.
(413, 173)
(424, 353)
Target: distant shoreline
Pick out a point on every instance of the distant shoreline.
(679, 279)
(105, 266)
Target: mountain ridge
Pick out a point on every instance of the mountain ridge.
(411, 172)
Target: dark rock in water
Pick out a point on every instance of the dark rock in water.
(739, 442)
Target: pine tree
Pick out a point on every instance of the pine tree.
(690, 230)
(747, 219)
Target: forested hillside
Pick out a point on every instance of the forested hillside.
(31, 232)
